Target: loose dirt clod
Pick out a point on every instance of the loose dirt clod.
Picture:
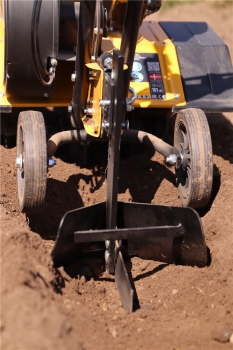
(222, 334)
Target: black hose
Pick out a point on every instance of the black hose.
(38, 64)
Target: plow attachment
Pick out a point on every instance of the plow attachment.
(168, 234)
(161, 233)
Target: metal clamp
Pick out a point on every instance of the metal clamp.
(129, 102)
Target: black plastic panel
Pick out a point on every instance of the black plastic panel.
(205, 65)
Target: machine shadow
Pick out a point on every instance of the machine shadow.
(143, 176)
(221, 130)
(60, 198)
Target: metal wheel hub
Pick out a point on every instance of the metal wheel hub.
(185, 158)
(19, 162)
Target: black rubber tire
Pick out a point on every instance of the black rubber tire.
(195, 174)
(32, 177)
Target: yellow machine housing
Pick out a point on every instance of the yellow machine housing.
(152, 41)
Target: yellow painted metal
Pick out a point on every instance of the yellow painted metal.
(152, 39)
(3, 100)
(92, 122)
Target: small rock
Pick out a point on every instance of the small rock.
(139, 330)
(144, 265)
(113, 332)
(83, 279)
(175, 291)
(149, 307)
(222, 334)
(104, 307)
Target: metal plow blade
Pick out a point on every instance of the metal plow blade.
(161, 233)
(123, 284)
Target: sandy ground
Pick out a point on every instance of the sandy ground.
(181, 307)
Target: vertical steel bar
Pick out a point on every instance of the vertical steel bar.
(114, 150)
(132, 23)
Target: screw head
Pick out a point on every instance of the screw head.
(70, 108)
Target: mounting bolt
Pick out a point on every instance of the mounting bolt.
(88, 111)
(130, 108)
(51, 163)
(105, 125)
(172, 159)
(104, 103)
(70, 108)
(53, 62)
(176, 96)
(73, 77)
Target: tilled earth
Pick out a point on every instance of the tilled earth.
(181, 307)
